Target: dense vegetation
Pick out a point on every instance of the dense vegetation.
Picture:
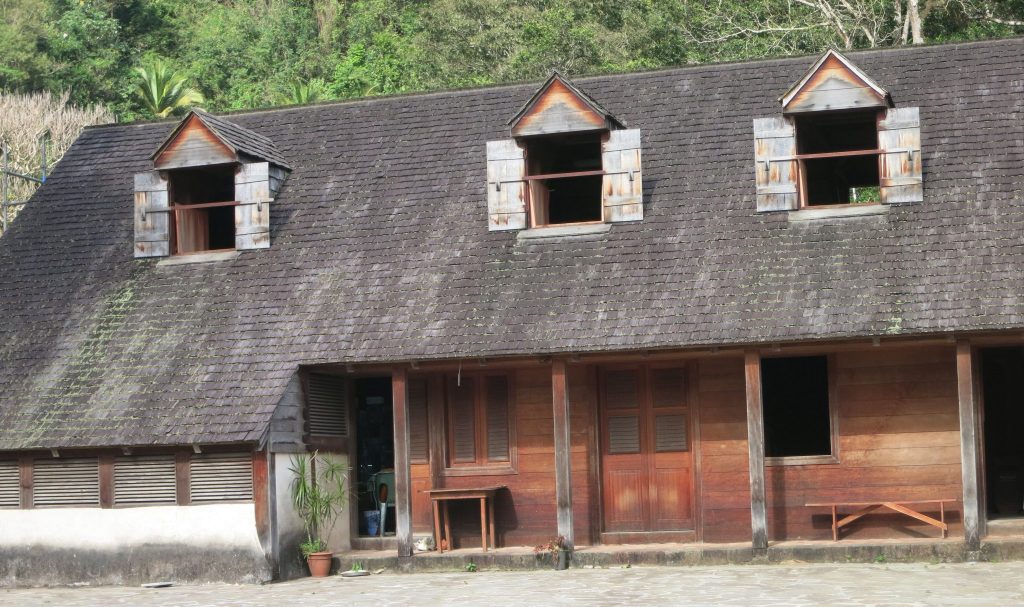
(253, 53)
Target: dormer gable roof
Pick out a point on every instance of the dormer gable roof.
(230, 142)
(559, 106)
(834, 83)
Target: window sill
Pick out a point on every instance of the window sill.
(563, 231)
(198, 258)
(801, 460)
(832, 212)
(480, 471)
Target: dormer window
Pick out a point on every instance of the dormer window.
(569, 162)
(211, 189)
(839, 142)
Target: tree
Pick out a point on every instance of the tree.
(163, 91)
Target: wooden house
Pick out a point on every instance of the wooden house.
(714, 304)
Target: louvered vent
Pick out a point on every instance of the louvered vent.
(145, 480)
(66, 482)
(670, 433)
(623, 434)
(327, 406)
(497, 419)
(221, 477)
(10, 485)
(463, 422)
(622, 389)
(667, 387)
(418, 421)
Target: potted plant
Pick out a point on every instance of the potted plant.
(318, 494)
(559, 551)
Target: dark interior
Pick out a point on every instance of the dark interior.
(844, 180)
(796, 408)
(375, 443)
(1003, 391)
(568, 199)
(201, 185)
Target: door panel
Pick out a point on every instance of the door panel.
(647, 472)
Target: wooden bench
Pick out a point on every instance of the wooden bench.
(865, 508)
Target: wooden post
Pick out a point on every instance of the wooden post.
(403, 473)
(106, 472)
(563, 455)
(755, 445)
(969, 462)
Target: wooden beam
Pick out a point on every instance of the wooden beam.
(403, 472)
(435, 429)
(969, 461)
(563, 463)
(755, 446)
(106, 470)
(25, 465)
(183, 477)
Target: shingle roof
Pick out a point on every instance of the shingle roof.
(380, 250)
(239, 138)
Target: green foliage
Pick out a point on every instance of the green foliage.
(254, 53)
(163, 91)
(319, 494)
(471, 567)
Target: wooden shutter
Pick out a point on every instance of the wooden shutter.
(899, 138)
(670, 433)
(152, 215)
(667, 387)
(497, 418)
(506, 188)
(327, 406)
(775, 164)
(66, 482)
(418, 441)
(145, 480)
(221, 477)
(10, 484)
(622, 389)
(623, 434)
(256, 184)
(462, 420)
(622, 186)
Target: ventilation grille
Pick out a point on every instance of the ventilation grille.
(497, 419)
(623, 434)
(463, 421)
(10, 485)
(221, 477)
(418, 441)
(667, 387)
(66, 482)
(327, 406)
(145, 480)
(670, 433)
(621, 389)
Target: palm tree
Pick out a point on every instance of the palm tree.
(311, 92)
(162, 90)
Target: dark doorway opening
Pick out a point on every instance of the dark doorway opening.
(375, 456)
(1003, 390)
(571, 197)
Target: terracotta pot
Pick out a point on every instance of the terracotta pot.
(319, 563)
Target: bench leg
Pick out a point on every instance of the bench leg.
(835, 527)
(437, 527)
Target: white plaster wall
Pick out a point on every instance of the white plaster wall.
(216, 526)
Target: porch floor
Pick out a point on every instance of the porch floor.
(845, 551)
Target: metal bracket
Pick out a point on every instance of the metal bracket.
(497, 186)
(631, 178)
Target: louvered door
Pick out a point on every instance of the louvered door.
(645, 459)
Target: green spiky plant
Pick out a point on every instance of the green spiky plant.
(163, 91)
(307, 92)
(319, 493)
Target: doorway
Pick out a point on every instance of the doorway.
(375, 456)
(646, 464)
(1002, 381)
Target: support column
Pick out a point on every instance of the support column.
(563, 463)
(755, 445)
(969, 460)
(403, 473)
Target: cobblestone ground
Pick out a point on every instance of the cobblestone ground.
(998, 584)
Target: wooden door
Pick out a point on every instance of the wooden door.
(646, 465)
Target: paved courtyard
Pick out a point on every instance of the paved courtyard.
(1000, 584)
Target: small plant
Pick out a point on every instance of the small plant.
(319, 496)
(312, 546)
(357, 566)
(552, 547)
(470, 567)
(880, 559)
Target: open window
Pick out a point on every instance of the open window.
(569, 161)
(838, 142)
(564, 174)
(202, 209)
(799, 410)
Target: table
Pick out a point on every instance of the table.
(439, 498)
(900, 507)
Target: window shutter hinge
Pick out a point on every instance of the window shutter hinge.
(910, 155)
(767, 166)
(497, 186)
(631, 177)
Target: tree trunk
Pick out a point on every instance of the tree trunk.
(914, 17)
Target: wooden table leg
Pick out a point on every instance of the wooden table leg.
(483, 522)
(447, 525)
(490, 516)
(942, 517)
(835, 525)
(437, 526)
